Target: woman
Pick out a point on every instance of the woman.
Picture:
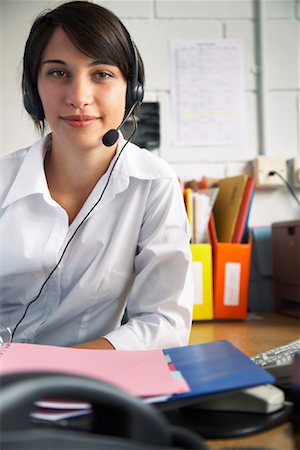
(93, 225)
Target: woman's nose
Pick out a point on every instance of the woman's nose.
(79, 93)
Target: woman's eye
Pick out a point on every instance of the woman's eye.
(102, 75)
(57, 73)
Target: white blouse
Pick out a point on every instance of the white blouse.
(131, 252)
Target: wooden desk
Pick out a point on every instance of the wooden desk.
(260, 332)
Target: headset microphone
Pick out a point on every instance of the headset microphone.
(111, 136)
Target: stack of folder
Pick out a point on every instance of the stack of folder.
(168, 377)
(221, 267)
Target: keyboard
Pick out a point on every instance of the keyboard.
(279, 361)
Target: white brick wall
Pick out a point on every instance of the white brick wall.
(153, 23)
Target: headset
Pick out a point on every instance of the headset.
(135, 89)
(134, 92)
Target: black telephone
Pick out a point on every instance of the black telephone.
(118, 421)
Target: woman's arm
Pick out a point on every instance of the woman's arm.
(160, 302)
(101, 343)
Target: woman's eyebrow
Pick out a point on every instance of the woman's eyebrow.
(54, 61)
(100, 62)
(96, 62)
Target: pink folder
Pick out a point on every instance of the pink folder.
(141, 373)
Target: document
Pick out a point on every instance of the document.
(207, 92)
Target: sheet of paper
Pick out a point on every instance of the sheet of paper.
(54, 415)
(61, 403)
(140, 373)
(207, 91)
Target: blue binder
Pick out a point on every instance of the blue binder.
(212, 368)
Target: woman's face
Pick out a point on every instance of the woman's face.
(82, 98)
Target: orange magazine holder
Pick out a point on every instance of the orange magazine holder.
(231, 270)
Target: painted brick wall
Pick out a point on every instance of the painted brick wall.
(153, 24)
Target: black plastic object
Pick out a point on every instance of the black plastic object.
(226, 424)
(118, 420)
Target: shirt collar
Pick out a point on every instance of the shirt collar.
(139, 163)
(31, 177)
(133, 162)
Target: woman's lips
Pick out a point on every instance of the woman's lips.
(79, 121)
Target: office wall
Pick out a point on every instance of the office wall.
(153, 24)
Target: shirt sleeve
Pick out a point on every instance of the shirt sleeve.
(160, 302)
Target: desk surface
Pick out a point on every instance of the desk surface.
(260, 332)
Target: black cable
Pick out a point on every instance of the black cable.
(274, 172)
(75, 232)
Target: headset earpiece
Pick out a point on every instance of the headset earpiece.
(135, 89)
(139, 93)
(32, 101)
(134, 94)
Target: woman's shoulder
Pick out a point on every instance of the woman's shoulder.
(11, 162)
(142, 163)
(10, 165)
(14, 159)
(15, 155)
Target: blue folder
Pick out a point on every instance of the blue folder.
(214, 367)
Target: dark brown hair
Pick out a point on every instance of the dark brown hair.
(95, 31)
